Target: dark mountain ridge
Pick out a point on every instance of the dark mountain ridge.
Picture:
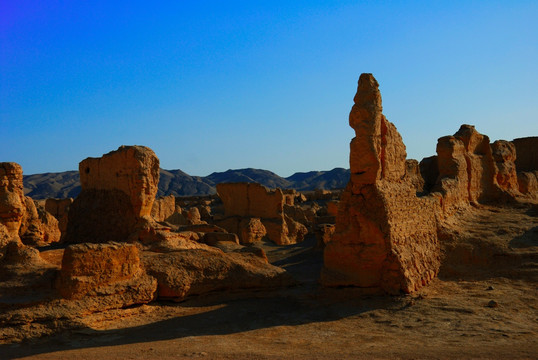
(178, 183)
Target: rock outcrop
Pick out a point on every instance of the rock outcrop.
(117, 194)
(385, 237)
(252, 200)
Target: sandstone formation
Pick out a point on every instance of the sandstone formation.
(251, 200)
(117, 194)
(111, 273)
(385, 237)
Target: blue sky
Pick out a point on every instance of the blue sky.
(217, 85)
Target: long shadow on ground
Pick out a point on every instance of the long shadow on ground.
(291, 308)
(231, 313)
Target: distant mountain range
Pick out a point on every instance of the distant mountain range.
(179, 183)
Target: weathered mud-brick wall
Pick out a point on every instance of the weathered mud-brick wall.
(452, 180)
(413, 175)
(117, 193)
(528, 183)
(504, 157)
(480, 164)
(12, 202)
(38, 227)
(527, 165)
(20, 218)
(385, 237)
(59, 208)
(109, 272)
(527, 153)
(472, 171)
(252, 200)
(163, 207)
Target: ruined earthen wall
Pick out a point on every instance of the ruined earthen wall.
(163, 207)
(38, 227)
(473, 171)
(527, 153)
(110, 271)
(59, 208)
(252, 200)
(504, 157)
(12, 201)
(118, 191)
(133, 170)
(385, 237)
(480, 165)
(413, 175)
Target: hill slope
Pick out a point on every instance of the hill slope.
(179, 183)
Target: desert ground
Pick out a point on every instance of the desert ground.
(482, 305)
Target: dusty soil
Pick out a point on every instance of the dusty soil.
(483, 305)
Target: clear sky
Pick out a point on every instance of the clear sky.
(217, 85)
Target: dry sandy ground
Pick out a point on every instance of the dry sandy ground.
(483, 305)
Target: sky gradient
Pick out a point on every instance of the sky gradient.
(217, 85)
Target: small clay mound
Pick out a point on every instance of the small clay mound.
(186, 273)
